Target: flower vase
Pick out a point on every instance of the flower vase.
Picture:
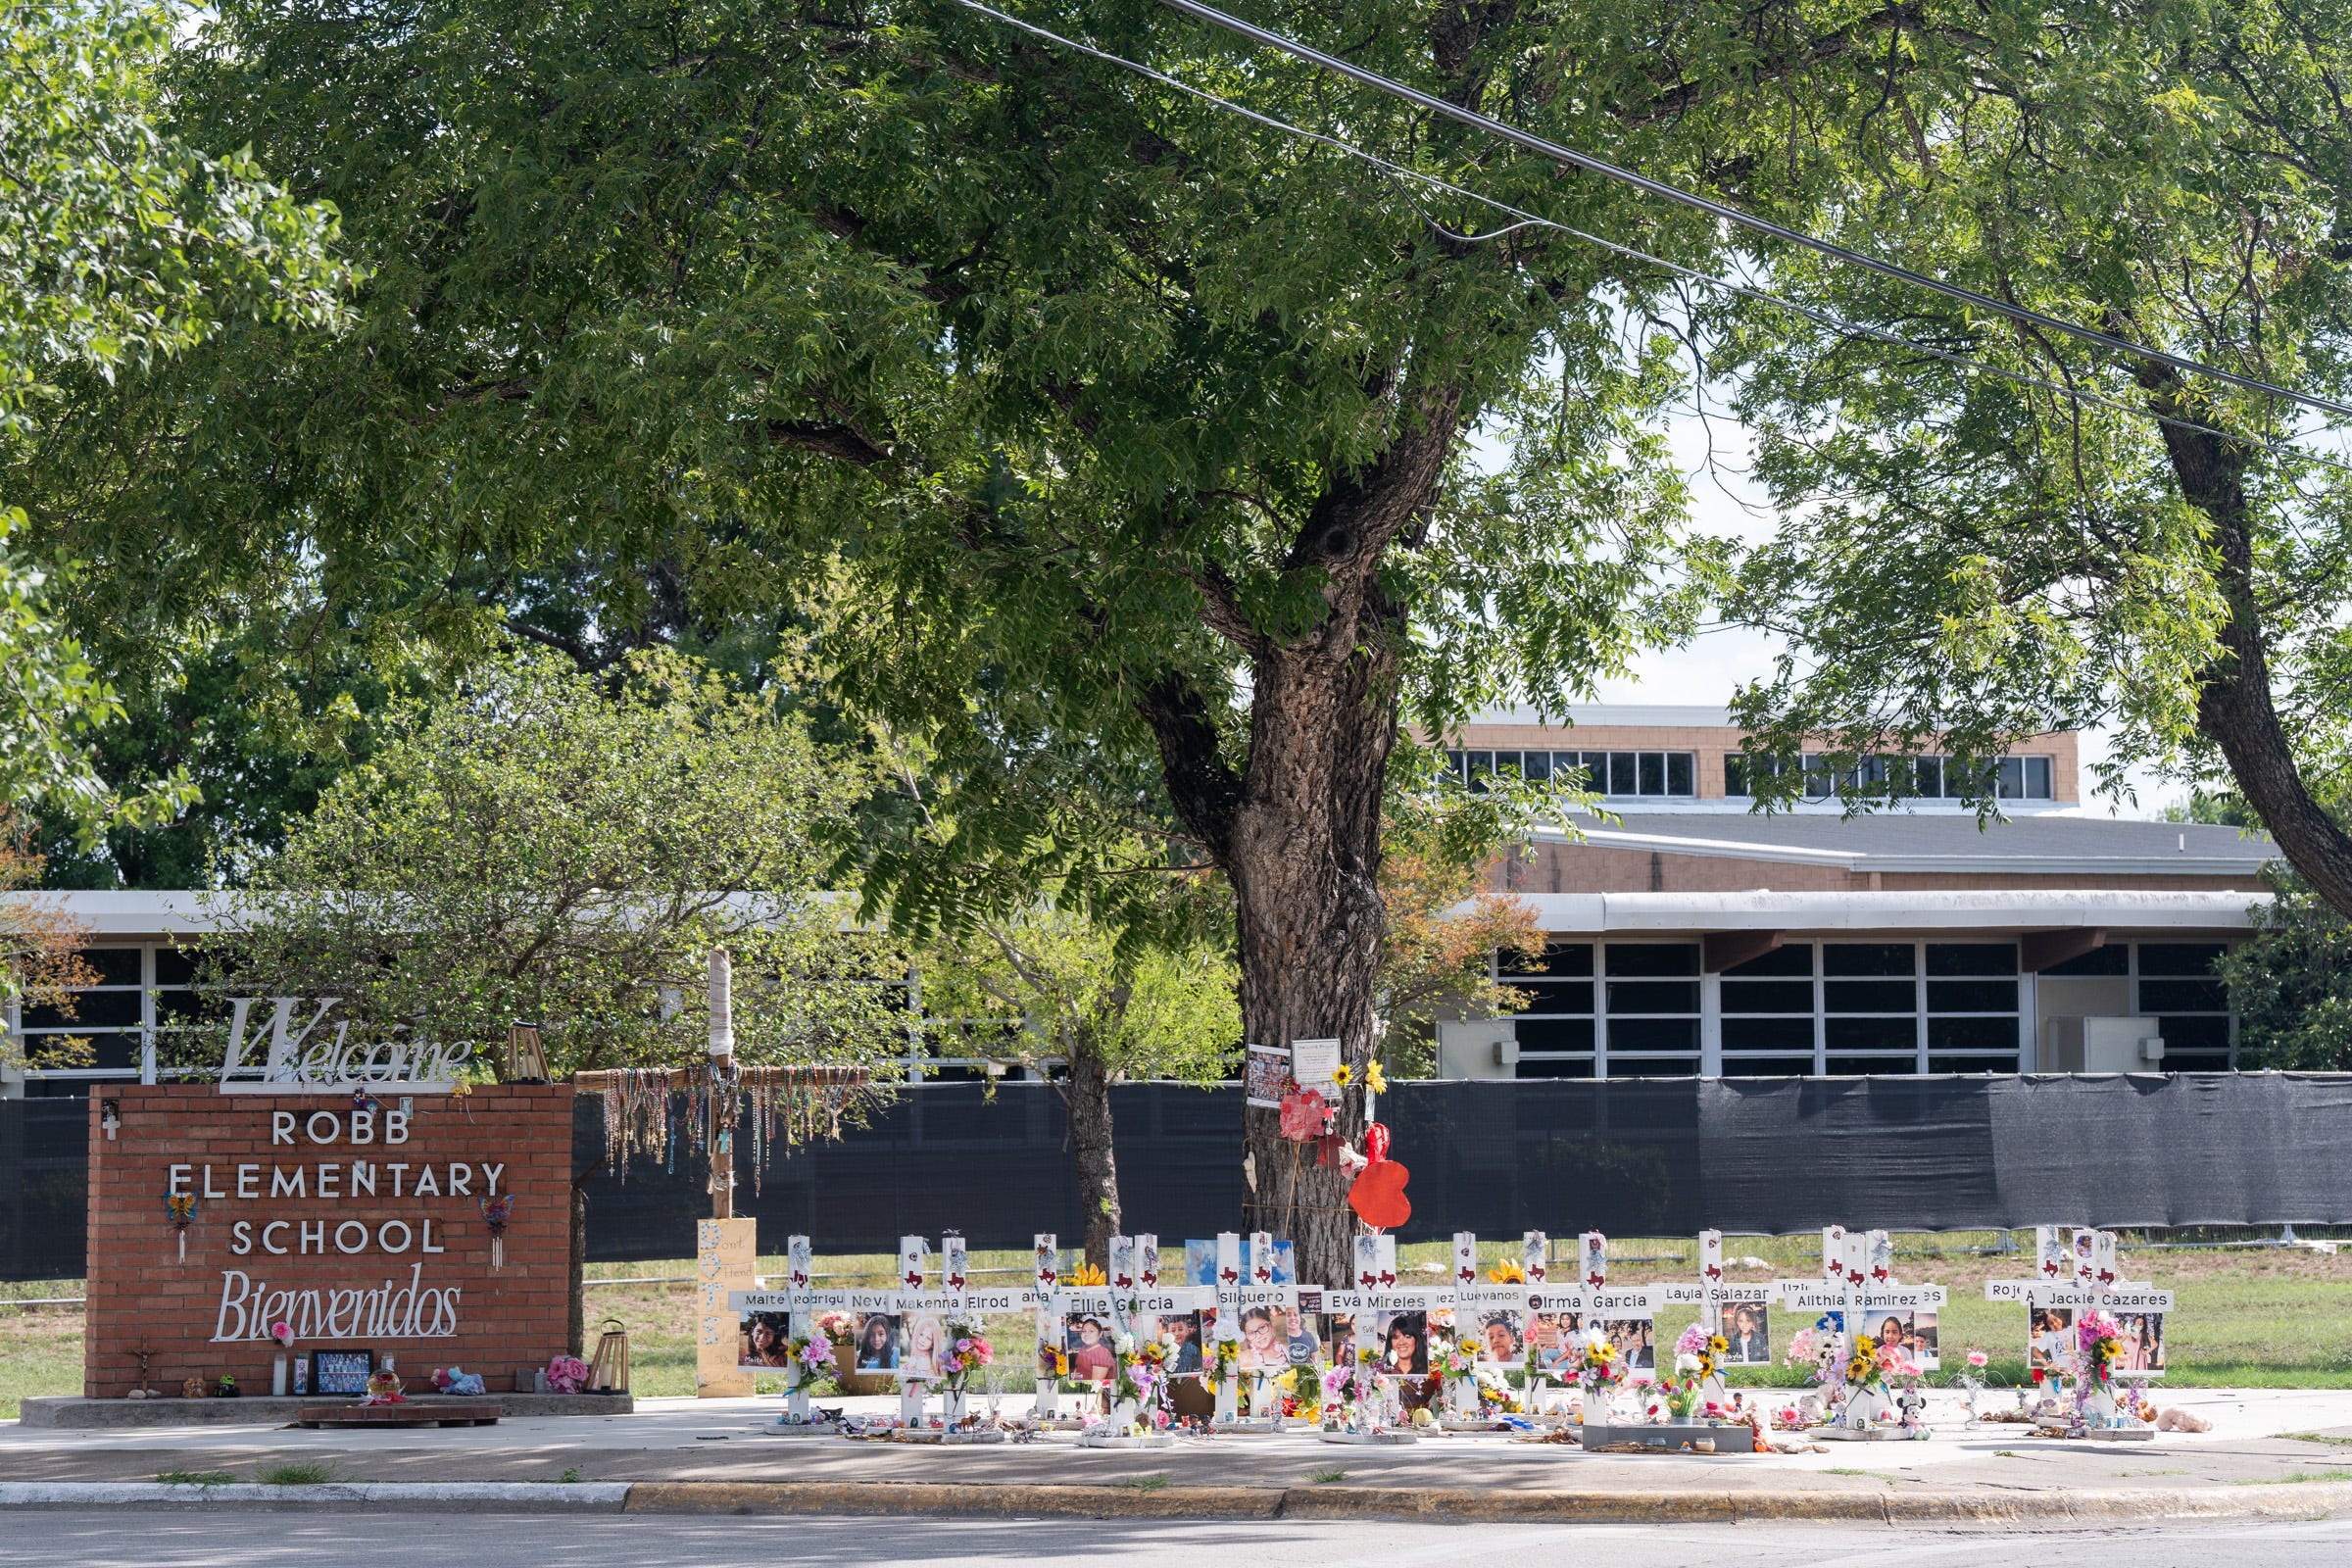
(279, 1372)
(953, 1406)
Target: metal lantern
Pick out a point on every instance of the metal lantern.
(608, 1370)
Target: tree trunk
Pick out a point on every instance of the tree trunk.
(1297, 831)
(1089, 1100)
(2235, 707)
(575, 1300)
(1304, 864)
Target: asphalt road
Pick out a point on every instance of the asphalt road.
(250, 1539)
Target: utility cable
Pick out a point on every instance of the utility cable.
(1729, 214)
(1527, 219)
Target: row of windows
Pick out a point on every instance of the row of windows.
(1627, 773)
(1842, 1008)
(1951, 778)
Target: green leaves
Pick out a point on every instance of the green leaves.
(121, 247)
(1967, 551)
(539, 848)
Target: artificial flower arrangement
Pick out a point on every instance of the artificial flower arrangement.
(566, 1374)
(1085, 1274)
(837, 1325)
(1142, 1377)
(1507, 1272)
(2099, 1350)
(2101, 1345)
(1458, 1361)
(1336, 1398)
(1225, 1366)
(812, 1358)
(1598, 1368)
(967, 1351)
(1300, 1398)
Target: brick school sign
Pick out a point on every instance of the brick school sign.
(360, 1224)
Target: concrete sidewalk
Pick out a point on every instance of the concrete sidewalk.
(2271, 1454)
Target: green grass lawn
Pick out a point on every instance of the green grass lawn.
(2267, 1317)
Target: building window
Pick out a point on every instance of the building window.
(1652, 1025)
(1869, 1007)
(1554, 1029)
(2012, 778)
(2176, 987)
(1972, 1006)
(1768, 1014)
(1666, 775)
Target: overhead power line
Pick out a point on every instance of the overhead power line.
(1729, 214)
(1525, 219)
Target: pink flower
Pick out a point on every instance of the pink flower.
(1978, 1358)
(282, 1333)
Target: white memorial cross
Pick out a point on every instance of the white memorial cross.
(1707, 1294)
(1047, 1280)
(1858, 1280)
(2090, 1280)
(915, 1256)
(1229, 1322)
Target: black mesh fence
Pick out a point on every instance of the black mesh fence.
(1634, 1157)
(44, 1188)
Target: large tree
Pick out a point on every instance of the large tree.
(1970, 557)
(120, 246)
(1115, 436)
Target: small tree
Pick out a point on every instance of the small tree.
(1052, 990)
(1438, 956)
(545, 847)
(2291, 984)
(40, 957)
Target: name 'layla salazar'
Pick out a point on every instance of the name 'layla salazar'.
(391, 1311)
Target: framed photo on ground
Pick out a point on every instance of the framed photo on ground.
(341, 1371)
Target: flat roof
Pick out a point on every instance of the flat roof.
(1897, 840)
(1684, 914)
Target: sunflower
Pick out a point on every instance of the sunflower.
(1507, 1272)
(1343, 1075)
(1087, 1274)
(1374, 1079)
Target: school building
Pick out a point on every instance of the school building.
(1689, 935)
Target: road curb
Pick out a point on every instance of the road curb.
(443, 1496)
(2055, 1506)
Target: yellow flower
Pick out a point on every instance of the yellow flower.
(1087, 1274)
(1343, 1075)
(1717, 1344)
(1507, 1272)
(1374, 1079)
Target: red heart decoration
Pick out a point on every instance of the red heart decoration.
(1378, 1195)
